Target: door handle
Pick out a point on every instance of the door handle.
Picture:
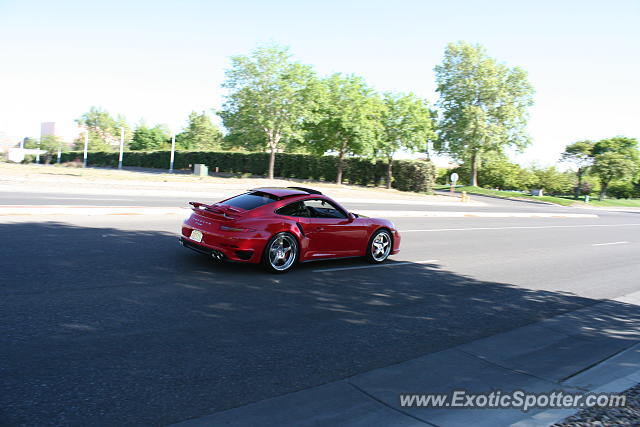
(319, 228)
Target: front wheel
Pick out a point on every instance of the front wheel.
(379, 246)
(281, 253)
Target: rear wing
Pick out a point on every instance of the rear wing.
(215, 211)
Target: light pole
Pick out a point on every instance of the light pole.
(86, 148)
(121, 147)
(38, 153)
(173, 151)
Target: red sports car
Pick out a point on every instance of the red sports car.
(281, 226)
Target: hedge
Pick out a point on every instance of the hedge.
(409, 175)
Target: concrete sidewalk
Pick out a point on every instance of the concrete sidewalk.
(592, 349)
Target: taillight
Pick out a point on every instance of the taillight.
(227, 228)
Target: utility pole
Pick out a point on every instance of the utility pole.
(121, 147)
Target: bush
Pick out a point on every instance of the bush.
(408, 175)
(621, 190)
(417, 175)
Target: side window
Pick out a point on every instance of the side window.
(319, 208)
(294, 209)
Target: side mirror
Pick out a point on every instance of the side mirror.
(351, 216)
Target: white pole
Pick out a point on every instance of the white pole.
(121, 147)
(59, 153)
(173, 151)
(38, 153)
(86, 148)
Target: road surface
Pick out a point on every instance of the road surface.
(107, 321)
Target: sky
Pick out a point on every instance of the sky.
(159, 60)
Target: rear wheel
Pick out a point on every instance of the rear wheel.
(379, 246)
(281, 253)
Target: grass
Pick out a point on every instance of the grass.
(564, 201)
(148, 178)
(630, 203)
(516, 195)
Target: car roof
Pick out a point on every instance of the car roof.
(286, 191)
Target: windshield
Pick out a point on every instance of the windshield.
(250, 201)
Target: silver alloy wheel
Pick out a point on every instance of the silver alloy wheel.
(283, 251)
(381, 246)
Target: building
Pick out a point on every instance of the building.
(47, 128)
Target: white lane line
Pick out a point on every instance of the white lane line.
(515, 227)
(457, 214)
(83, 198)
(607, 244)
(324, 270)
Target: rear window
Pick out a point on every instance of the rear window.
(250, 201)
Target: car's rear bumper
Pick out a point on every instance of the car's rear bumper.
(220, 253)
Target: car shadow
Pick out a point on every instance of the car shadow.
(121, 327)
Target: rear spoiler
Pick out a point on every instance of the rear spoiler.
(214, 211)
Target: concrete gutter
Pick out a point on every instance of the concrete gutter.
(18, 210)
(592, 349)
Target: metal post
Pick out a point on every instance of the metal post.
(86, 148)
(173, 151)
(59, 153)
(38, 153)
(121, 147)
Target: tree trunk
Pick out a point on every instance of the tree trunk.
(473, 181)
(341, 162)
(579, 187)
(603, 191)
(340, 166)
(274, 139)
(389, 172)
(272, 162)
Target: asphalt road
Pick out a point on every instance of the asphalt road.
(107, 321)
(65, 198)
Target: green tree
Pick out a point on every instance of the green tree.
(269, 99)
(348, 119)
(200, 134)
(407, 125)
(146, 138)
(611, 165)
(581, 155)
(483, 103)
(615, 158)
(618, 144)
(104, 130)
(552, 180)
(496, 171)
(49, 143)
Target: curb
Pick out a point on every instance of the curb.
(563, 353)
(513, 199)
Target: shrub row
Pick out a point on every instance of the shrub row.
(409, 175)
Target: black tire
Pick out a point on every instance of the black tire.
(380, 246)
(281, 253)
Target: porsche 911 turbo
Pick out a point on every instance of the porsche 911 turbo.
(279, 227)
